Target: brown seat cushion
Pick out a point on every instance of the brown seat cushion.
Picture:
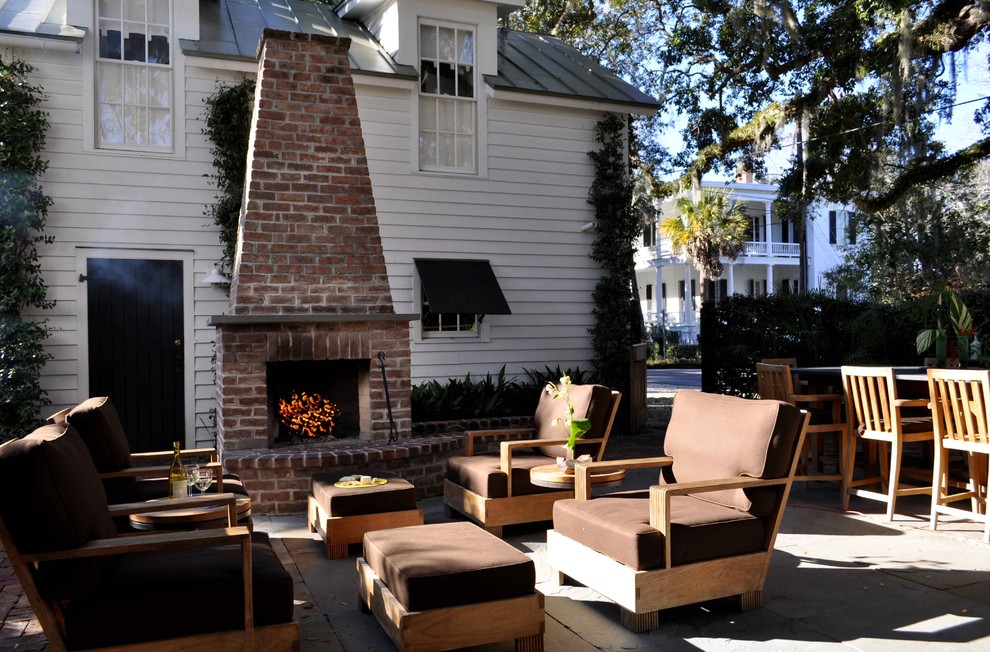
(447, 564)
(393, 496)
(483, 475)
(592, 402)
(618, 525)
(150, 596)
(51, 498)
(714, 436)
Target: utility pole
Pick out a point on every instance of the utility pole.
(802, 221)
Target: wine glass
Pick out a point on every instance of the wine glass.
(203, 479)
(192, 471)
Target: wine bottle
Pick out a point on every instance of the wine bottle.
(177, 487)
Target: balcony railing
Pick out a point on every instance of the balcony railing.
(663, 250)
(772, 249)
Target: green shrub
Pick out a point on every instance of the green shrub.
(814, 328)
(489, 396)
(683, 352)
(23, 209)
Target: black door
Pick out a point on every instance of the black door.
(136, 346)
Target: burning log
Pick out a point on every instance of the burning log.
(308, 415)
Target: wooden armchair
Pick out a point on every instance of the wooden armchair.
(494, 489)
(776, 381)
(132, 477)
(960, 403)
(873, 413)
(706, 531)
(206, 590)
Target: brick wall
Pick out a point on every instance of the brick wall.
(309, 238)
(278, 479)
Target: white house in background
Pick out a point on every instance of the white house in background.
(477, 142)
(668, 282)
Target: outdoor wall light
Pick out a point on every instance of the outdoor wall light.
(215, 278)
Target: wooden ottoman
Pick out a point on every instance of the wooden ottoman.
(450, 585)
(342, 515)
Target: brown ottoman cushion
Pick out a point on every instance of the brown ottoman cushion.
(396, 495)
(447, 564)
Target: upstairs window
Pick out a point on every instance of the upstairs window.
(447, 99)
(134, 75)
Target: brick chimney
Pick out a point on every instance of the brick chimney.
(309, 282)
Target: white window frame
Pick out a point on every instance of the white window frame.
(175, 115)
(475, 102)
(420, 334)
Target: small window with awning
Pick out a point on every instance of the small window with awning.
(457, 294)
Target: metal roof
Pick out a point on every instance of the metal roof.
(43, 18)
(535, 63)
(526, 62)
(231, 29)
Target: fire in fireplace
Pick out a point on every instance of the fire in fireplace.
(317, 400)
(308, 415)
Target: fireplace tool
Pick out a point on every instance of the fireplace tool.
(393, 432)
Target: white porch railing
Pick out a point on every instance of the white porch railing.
(772, 249)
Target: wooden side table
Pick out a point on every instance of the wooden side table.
(549, 475)
(193, 518)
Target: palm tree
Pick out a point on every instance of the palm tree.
(706, 230)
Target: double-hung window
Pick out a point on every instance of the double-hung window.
(447, 99)
(134, 75)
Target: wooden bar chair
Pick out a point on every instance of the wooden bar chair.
(959, 401)
(873, 414)
(777, 382)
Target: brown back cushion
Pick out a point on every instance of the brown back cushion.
(98, 424)
(713, 436)
(51, 498)
(590, 402)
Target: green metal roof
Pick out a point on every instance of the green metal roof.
(42, 18)
(526, 62)
(543, 64)
(231, 29)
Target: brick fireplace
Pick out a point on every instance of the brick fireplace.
(309, 283)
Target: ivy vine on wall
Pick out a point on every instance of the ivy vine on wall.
(228, 126)
(23, 210)
(618, 318)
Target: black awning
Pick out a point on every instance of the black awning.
(461, 286)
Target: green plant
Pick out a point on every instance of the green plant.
(23, 210)
(228, 126)
(618, 318)
(575, 427)
(959, 317)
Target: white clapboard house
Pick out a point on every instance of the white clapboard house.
(496, 172)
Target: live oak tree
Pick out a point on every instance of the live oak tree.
(863, 80)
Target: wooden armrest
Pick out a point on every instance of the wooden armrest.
(126, 509)
(583, 471)
(167, 455)
(136, 471)
(911, 402)
(219, 499)
(660, 496)
(471, 435)
(149, 542)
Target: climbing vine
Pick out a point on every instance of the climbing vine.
(23, 210)
(618, 318)
(228, 126)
